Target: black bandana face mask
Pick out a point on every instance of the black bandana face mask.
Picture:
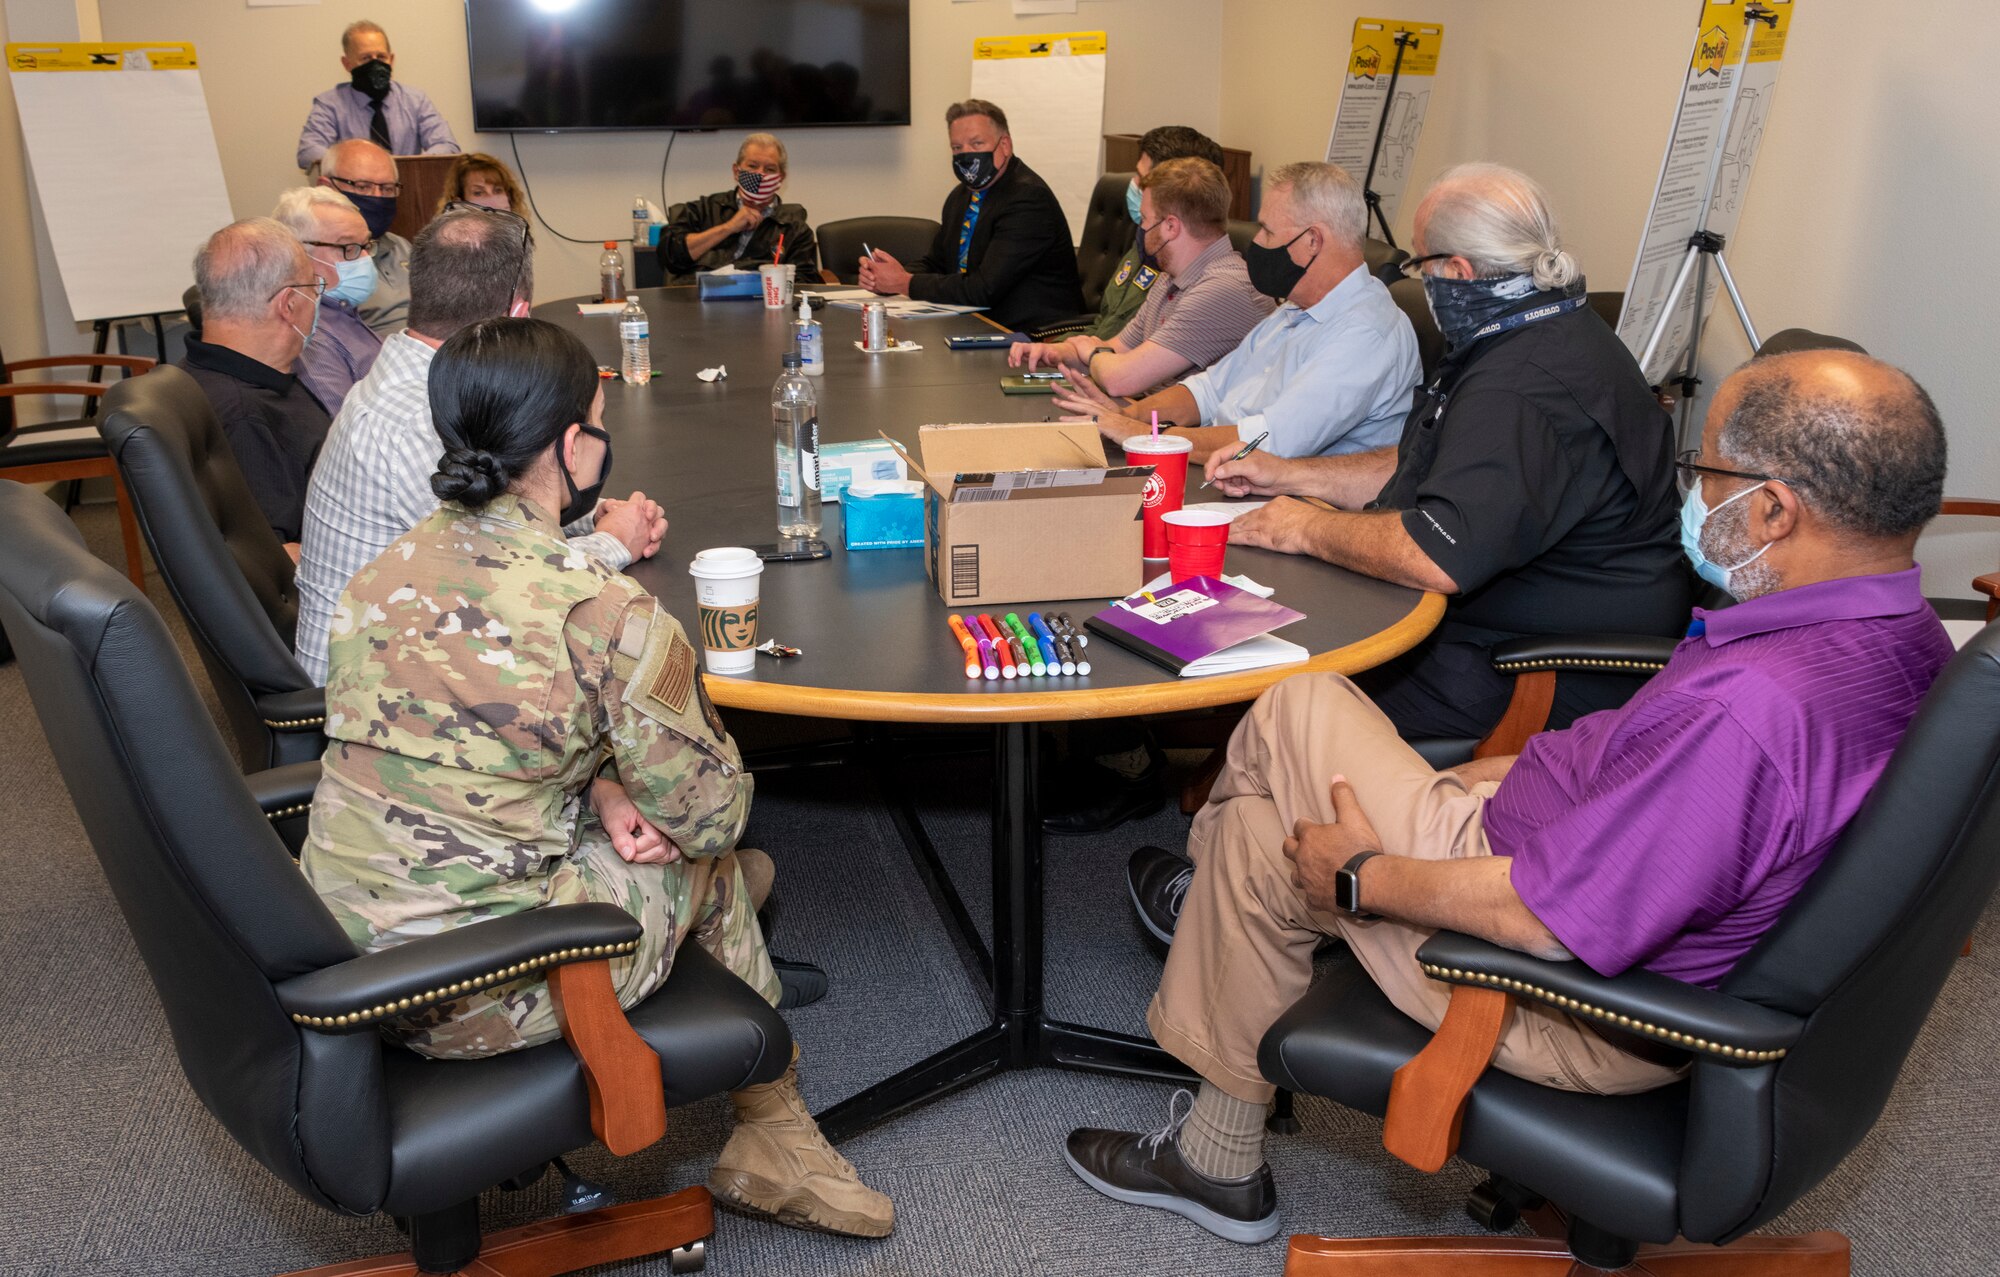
(975, 169)
(1462, 307)
(583, 500)
(372, 78)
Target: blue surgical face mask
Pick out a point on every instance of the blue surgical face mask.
(357, 280)
(1694, 517)
(306, 337)
(1132, 201)
(1462, 307)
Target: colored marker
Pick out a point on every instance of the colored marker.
(1072, 632)
(1036, 663)
(1050, 644)
(1000, 649)
(965, 641)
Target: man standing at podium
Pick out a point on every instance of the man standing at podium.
(395, 117)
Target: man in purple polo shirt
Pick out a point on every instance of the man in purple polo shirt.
(1668, 834)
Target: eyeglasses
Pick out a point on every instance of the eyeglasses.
(317, 285)
(1413, 268)
(1687, 473)
(348, 252)
(508, 215)
(391, 189)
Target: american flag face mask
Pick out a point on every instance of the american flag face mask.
(759, 188)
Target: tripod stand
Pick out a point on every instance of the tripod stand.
(1706, 245)
(1405, 41)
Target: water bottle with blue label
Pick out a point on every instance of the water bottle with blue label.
(642, 223)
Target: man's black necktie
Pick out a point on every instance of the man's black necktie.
(378, 126)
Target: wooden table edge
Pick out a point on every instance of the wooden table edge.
(1167, 696)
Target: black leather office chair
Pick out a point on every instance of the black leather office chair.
(274, 1012)
(1384, 260)
(221, 561)
(1241, 233)
(1793, 1057)
(1608, 305)
(906, 239)
(191, 303)
(1107, 236)
(1409, 295)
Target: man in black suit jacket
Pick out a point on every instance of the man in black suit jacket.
(1005, 243)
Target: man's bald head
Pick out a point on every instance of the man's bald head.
(243, 266)
(1856, 438)
(358, 160)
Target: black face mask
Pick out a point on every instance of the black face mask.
(1272, 271)
(371, 78)
(583, 500)
(975, 169)
(379, 211)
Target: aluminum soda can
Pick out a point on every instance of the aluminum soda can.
(874, 327)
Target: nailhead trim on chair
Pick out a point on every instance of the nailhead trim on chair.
(296, 809)
(285, 724)
(1453, 975)
(462, 987)
(1574, 663)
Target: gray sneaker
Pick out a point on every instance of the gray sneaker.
(1158, 880)
(1148, 1170)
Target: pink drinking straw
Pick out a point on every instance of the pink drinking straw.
(1156, 424)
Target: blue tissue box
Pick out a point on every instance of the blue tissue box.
(884, 516)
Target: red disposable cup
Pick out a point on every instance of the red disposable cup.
(1196, 541)
(1168, 455)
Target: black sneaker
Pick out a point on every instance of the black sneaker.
(1148, 1170)
(800, 984)
(1158, 880)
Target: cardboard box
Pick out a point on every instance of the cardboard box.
(1017, 512)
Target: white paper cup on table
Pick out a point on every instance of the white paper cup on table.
(777, 286)
(726, 585)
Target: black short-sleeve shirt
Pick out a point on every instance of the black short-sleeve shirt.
(275, 428)
(1538, 473)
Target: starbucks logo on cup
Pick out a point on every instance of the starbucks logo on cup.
(729, 628)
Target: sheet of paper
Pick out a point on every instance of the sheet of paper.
(1028, 8)
(1370, 60)
(125, 164)
(1052, 88)
(1692, 145)
(599, 308)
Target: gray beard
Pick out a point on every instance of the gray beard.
(1726, 539)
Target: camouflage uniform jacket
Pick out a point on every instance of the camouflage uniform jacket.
(481, 670)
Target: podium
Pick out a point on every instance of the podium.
(424, 178)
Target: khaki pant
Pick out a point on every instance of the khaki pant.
(1243, 948)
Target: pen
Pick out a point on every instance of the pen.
(1036, 665)
(973, 663)
(1000, 646)
(1049, 642)
(1243, 452)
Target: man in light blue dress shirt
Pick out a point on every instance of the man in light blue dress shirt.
(1330, 371)
(409, 123)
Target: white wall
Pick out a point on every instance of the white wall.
(1868, 216)
(261, 68)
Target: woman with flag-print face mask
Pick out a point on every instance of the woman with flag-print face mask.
(745, 226)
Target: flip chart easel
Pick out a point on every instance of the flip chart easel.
(1381, 112)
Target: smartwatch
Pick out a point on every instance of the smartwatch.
(1347, 884)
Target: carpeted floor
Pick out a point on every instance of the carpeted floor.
(112, 1167)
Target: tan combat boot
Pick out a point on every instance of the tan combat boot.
(778, 1164)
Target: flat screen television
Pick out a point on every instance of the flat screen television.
(559, 65)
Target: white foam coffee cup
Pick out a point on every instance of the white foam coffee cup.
(727, 581)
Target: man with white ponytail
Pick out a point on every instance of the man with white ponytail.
(1533, 483)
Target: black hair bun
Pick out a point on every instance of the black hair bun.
(470, 476)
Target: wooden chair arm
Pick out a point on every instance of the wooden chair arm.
(1427, 1096)
(628, 1107)
(1969, 505)
(130, 363)
(828, 277)
(1527, 713)
(88, 389)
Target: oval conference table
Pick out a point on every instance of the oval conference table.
(873, 630)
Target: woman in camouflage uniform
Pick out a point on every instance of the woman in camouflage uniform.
(482, 677)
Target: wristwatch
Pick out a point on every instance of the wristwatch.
(1095, 352)
(1347, 884)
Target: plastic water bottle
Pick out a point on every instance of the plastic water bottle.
(812, 341)
(795, 431)
(642, 223)
(611, 273)
(635, 340)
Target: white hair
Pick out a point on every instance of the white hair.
(1327, 195)
(297, 208)
(765, 139)
(244, 265)
(1498, 219)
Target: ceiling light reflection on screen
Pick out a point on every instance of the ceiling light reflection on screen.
(555, 6)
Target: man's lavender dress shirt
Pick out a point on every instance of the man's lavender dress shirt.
(341, 352)
(343, 111)
(1671, 833)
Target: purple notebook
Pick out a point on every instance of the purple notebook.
(1185, 623)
